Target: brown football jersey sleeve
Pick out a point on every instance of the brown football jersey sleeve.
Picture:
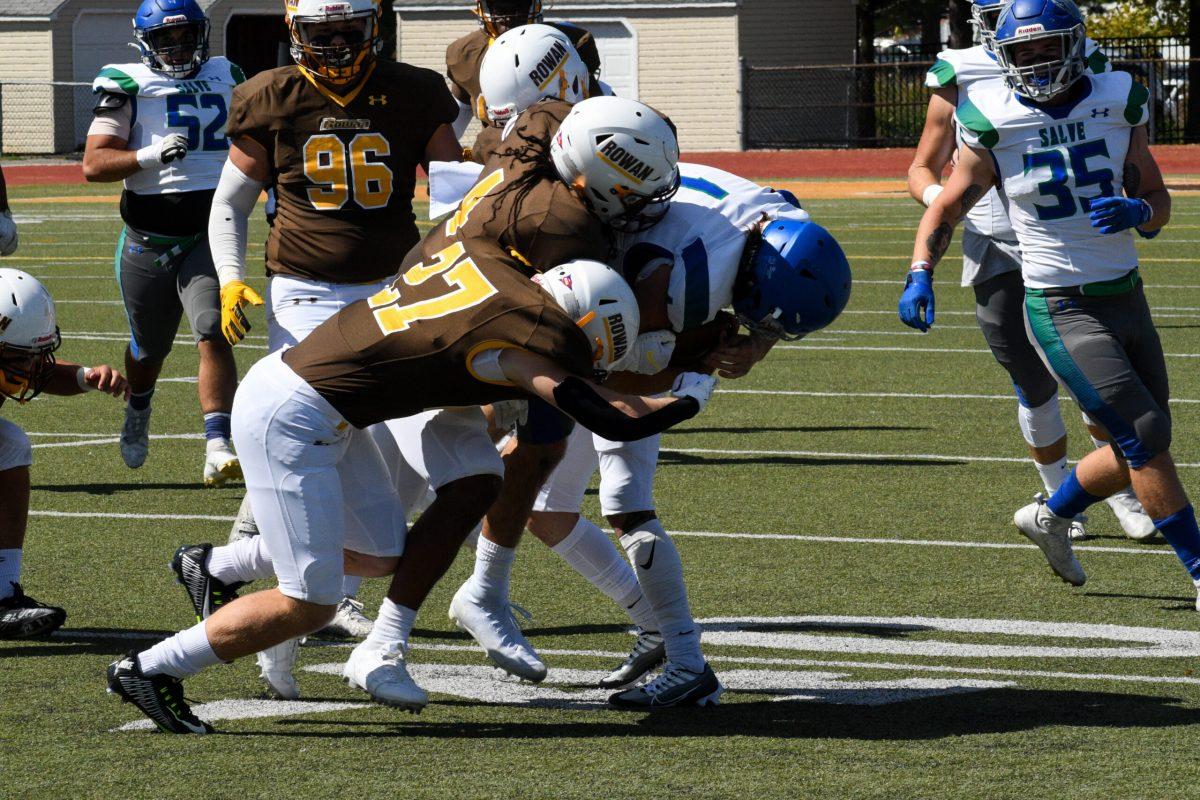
(255, 109)
(585, 45)
(464, 56)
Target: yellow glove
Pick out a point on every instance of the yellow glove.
(234, 324)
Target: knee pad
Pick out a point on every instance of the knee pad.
(15, 449)
(1042, 425)
(208, 326)
(1153, 431)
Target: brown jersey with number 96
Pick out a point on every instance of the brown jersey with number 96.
(343, 167)
(464, 290)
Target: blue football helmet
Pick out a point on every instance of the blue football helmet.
(984, 14)
(1025, 22)
(794, 280)
(172, 36)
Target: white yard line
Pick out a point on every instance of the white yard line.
(919, 350)
(782, 537)
(901, 395)
(115, 439)
(608, 655)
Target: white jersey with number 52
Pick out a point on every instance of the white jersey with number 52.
(197, 107)
(1052, 162)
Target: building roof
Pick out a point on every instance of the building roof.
(29, 8)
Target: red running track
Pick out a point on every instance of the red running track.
(792, 164)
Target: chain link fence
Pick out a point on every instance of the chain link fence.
(883, 104)
(44, 117)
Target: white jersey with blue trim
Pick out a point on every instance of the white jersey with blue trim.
(1052, 162)
(702, 237)
(196, 107)
(959, 69)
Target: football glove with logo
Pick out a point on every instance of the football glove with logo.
(162, 152)
(695, 385)
(1113, 214)
(235, 295)
(917, 298)
(651, 352)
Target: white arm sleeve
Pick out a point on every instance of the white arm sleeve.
(464, 119)
(232, 205)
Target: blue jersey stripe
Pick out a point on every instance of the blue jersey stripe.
(703, 186)
(695, 294)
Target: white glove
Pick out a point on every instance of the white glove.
(695, 385)
(8, 234)
(164, 151)
(651, 353)
(507, 414)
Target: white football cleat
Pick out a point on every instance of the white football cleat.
(380, 671)
(1051, 534)
(135, 437)
(349, 621)
(220, 463)
(1133, 518)
(276, 666)
(496, 631)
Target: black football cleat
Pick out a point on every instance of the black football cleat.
(206, 592)
(675, 687)
(159, 697)
(22, 617)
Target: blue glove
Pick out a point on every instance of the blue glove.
(917, 297)
(1113, 214)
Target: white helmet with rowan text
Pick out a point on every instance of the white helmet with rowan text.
(28, 335)
(621, 157)
(526, 64)
(602, 305)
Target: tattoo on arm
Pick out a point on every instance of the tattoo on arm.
(938, 241)
(1133, 179)
(969, 198)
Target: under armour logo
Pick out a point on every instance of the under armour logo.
(1099, 112)
(380, 99)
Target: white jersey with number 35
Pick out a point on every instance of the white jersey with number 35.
(197, 107)
(958, 69)
(1052, 162)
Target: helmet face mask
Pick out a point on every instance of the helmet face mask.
(24, 372)
(1041, 53)
(172, 36)
(498, 16)
(641, 212)
(337, 42)
(984, 15)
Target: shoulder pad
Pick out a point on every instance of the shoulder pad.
(116, 81)
(109, 101)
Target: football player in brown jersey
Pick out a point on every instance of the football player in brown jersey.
(460, 328)
(464, 58)
(337, 137)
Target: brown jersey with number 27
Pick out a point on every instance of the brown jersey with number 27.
(463, 291)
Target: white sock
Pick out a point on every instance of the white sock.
(10, 571)
(1053, 474)
(393, 625)
(660, 573)
(243, 561)
(180, 656)
(493, 566)
(350, 584)
(591, 553)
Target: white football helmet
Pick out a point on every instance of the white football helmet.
(622, 157)
(28, 335)
(601, 303)
(526, 64)
(335, 40)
